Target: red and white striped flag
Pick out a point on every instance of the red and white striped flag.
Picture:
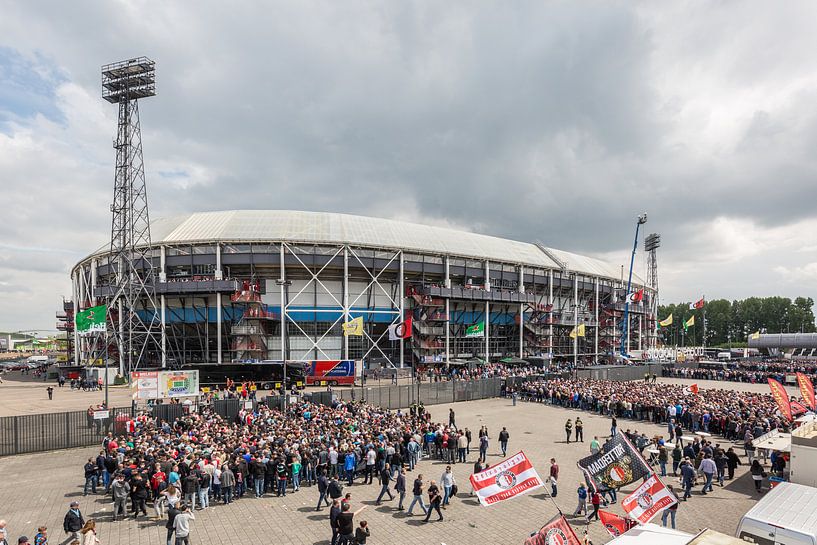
(648, 500)
(505, 480)
(691, 389)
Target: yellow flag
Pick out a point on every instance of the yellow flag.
(689, 323)
(755, 336)
(354, 327)
(577, 331)
(667, 322)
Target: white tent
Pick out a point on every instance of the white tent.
(774, 440)
(652, 534)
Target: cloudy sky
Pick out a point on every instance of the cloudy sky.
(551, 121)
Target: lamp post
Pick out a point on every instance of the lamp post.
(642, 219)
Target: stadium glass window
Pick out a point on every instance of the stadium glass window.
(204, 250)
(435, 259)
(177, 250)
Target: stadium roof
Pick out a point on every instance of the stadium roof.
(240, 226)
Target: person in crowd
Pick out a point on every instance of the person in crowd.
(579, 430)
(568, 430)
(400, 487)
(417, 492)
(73, 521)
(434, 501)
(758, 474)
(554, 477)
(503, 441)
(362, 533)
(385, 480)
(181, 524)
(670, 511)
(581, 492)
(89, 533)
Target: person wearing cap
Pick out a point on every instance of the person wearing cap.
(73, 521)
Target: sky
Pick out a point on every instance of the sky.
(556, 122)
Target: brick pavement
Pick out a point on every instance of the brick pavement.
(36, 489)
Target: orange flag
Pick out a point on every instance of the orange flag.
(806, 390)
(781, 396)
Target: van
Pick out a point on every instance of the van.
(784, 516)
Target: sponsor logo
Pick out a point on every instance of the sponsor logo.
(505, 480)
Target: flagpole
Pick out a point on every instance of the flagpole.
(105, 348)
(704, 314)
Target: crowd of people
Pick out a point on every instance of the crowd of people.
(751, 372)
(201, 460)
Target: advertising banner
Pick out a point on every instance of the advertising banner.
(92, 320)
(178, 384)
(145, 384)
(781, 396)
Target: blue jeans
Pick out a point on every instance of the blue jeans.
(106, 479)
(259, 486)
(282, 487)
(90, 482)
(204, 497)
(687, 489)
(417, 499)
(668, 513)
(708, 483)
(323, 499)
(446, 494)
(296, 481)
(504, 446)
(228, 494)
(663, 466)
(384, 489)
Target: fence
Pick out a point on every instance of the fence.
(427, 393)
(620, 373)
(41, 432)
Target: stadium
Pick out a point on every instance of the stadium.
(229, 283)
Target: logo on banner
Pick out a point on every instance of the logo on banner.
(506, 480)
(555, 536)
(645, 500)
(619, 474)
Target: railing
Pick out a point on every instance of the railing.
(52, 431)
(427, 393)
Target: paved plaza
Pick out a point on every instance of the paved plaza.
(36, 489)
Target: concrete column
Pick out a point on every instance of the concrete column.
(487, 312)
(596, 308)
(94, 264)
(219, 275)
(283, 278)
(576, 318)
(345, 299)
(162, 264)
(219, 320)
(402, 296)
(447, 313)
(164, 330)
(521, 289)
(550, 314)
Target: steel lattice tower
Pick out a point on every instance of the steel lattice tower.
(133, 314)
(651, 245)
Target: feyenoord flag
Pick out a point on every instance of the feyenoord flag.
(781, 396)
(691, 389)
(697, 305)
(806, 390)
(636, 296)
(647, 500)
(615, 524)
(505, 480)
(400, 331)
(617, 464)
(556, 532)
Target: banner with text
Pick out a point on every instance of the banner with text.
(648, 500)
(617, 464)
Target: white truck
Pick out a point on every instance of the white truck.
(784, 516)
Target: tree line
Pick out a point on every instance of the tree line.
(731, 322)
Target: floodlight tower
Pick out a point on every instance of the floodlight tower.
(651, 245)
(625, 324)
(132, 305)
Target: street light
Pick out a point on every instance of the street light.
(642, 219)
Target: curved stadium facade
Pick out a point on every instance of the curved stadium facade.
(230, 283)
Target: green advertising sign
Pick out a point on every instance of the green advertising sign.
(92, 320)
(476, 330)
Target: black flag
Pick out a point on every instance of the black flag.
(617, 464)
